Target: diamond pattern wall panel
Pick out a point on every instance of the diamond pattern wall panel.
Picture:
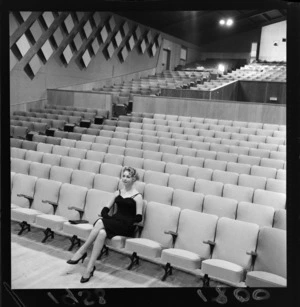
(149, 36)
(35, 64)
(123, 53)
(143, 46)
(25, 15)
(95, 45)
(79, 15)
(118, 38)
(23, 44)
(48, 18)
(86, 58)
(138, 33)
(69, 23)
(87, 29)
(131, 42)
(58, 36)
(47, 50)
(36, 30)
(13, 24)
(104, 34)
(97, 18)
(77, 41)
(12, 59)
(112, 23)
(110, 50)
(67, 54)
(126, 28)
(153, 49)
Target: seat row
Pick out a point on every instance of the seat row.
(97, 111)
(223, 249)
(204, 158)
(171, 146)
(203, 120)
(243, 187)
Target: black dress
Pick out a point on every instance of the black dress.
(121, 223)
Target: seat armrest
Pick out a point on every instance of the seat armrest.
(253, 257)
(30, 198)
(170, 232)
(53, 204)
(79, 210)
(211, 243)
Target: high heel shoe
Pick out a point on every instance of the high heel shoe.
(83, 279)
(76, 261)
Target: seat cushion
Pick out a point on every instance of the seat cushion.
(54, 222)
(144, 247)
(116, 242)
(223, 270)
(24, 214)
(82, 231)
(14, 206)
(264, 279)
(181, 258)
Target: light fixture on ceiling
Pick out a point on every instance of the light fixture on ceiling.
(229, 22)
(226, 22)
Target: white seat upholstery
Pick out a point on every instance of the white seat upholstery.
(269, 198)
(156, 178)
(106, 183)
(220, 206)
(160, 194)
(189, 249)
(229, 257)
(280, 219)
(69, 195)
(270, 264)
(238, 192)
(158, 219)
(44, 190)
(95, 201)
(254, 213)
(255, 182)
(209, 187)
(181, 182)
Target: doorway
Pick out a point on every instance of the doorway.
(166, 59)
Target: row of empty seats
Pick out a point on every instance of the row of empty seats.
(80, 149)
(222, 248)
(243, 187)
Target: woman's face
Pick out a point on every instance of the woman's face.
(127, 179)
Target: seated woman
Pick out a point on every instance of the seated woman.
(129, 204)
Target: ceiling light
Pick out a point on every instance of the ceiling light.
(229, 22)
(222, 22)
(221, 68)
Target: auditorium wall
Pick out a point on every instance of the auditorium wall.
(36, 69)
(232, 47)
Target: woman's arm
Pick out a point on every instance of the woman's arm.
(105, 210)
(139, 204)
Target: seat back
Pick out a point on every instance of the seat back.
(22, 184)
(158, 219)
(271, 251)
(254, 213)
(280, 219)
(20, 166)
(181, 182)
(82, 178)
(71, 195)
(269, 198)
(238, 192)
(209, 187)
(51, 159)
(106, 183)
(89, 166)
(95, 201)
(187, 200)
(39, 170)
(220, 206)
(45, 189)
(193, 229)
(157, 178)
(156, 193)
(62, 174)
(233, 240)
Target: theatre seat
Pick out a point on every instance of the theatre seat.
(160, 194)
(255, 213)
(189, 249)
(270, 260)
(159, 219)
(19, 166)
(39, 170)
(106, 183)
(280, 219)
(220, 206)
(187, 200)
(23, 185)
(69, 195)
(229, 260)
(270, 198)
(95, 201)
(44, 189)
(157, 178)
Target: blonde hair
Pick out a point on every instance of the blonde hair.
(132, 172)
